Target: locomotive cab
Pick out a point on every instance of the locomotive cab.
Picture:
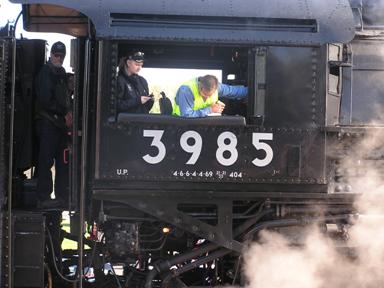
(170, 195)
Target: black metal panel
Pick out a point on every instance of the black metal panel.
(156, 149)
(309, 22)
(30, 57)
(295, 87)
(5, 72)
(28, 264)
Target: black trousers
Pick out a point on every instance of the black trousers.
(53, 143)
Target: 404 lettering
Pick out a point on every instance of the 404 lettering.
(226, 144)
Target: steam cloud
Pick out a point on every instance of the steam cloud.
(273, 262)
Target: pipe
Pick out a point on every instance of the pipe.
(10, 165)
(84, 168)
(292, 222)
(162, 266)
(174, 273)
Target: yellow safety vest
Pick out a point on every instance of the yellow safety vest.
(199, 102)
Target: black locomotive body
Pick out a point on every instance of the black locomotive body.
(174, 200)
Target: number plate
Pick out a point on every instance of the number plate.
(188, 154)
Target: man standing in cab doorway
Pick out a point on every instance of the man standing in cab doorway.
(53, 118)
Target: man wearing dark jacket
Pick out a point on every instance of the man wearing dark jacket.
(53, 117)
(132, 89)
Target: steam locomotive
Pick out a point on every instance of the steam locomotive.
(170, 201)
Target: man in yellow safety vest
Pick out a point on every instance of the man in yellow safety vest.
(199, 97)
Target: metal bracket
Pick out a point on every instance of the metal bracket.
(167, 212)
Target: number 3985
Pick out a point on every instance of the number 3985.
(226, 142)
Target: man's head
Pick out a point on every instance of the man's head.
(207, 86)
(134, 62)
(58, 52)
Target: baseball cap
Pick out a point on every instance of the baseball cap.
(136, 56)
(58, 47)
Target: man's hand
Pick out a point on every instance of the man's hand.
(68, 119)
(218, 107)
(144, 99)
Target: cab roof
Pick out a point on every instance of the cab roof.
(286, 22)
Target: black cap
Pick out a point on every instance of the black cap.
(58, 47)
(136, 56)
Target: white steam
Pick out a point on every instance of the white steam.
(273, 262)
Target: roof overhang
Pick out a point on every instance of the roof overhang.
(53, 18)
(278, 22)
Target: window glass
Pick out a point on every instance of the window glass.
(168, 80)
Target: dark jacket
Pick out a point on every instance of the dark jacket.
(129, 92)
(52, 101)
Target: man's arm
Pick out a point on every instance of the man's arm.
(232, 92)
(185, 100)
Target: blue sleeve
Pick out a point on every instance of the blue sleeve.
(232, 92)
(185, 100)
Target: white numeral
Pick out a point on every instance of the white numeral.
(226, 142)
(195, 148)
(222, 147)
(256, 137)
(156, 134)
